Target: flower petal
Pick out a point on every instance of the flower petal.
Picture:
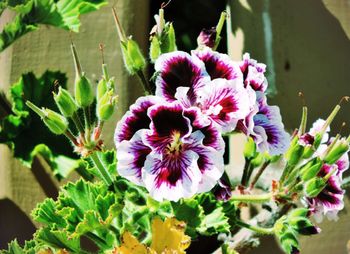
(253, 73)
(178, 69)
(135, 119)
(210, 162)
(218, 65)
(225, 102)
(171, 177)
(131, 156)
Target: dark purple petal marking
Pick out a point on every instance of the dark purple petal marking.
(218, 65)
(178, 69)
(225, 102)
(131, 156)
(253, 73)
(135, 119)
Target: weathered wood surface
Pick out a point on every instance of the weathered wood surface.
(306, 47)
(49, 48)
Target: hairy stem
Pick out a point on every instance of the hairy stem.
(257, 229)
(145, 83)
(106, 177)
(259, 173)
(252, 198)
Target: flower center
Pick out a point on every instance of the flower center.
(175, 145)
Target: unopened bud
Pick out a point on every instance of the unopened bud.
(314, 186)
(294, 154)
(311, 169)
(56, 123)
(133, 58)
(249, 149)
(84, 95)
(65, 102)
(101, 89)
(207, 38)
(341, 147)
(258, 160)
(106, 105)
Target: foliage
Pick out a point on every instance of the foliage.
(30, 14)
(23, 131)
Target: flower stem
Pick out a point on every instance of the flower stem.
(78, 123)
(257, 229)
(252, 198)
(87, 124)
(106, 177)
(218, 28)
(246, 171)
(259, 173)
(145, 83)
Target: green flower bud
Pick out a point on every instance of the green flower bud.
(133, 58)
(56, 123)
(101, 88)
(294, 154)
(311, 169)
(106, 105)
(65, 102)
(299, 212)
(258, 160)
(308, 152)
(341, 147)
(84, 95)
(314, 186)
(249, 149)
(154, 50)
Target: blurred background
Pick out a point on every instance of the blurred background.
(305, 44)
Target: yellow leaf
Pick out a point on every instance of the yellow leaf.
(169, 237)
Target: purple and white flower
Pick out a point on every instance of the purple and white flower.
(330, 201)
(175, 156)
(179, 69)
(268, 131)
(253, 73)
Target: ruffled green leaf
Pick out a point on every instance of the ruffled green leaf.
(64, 14)
(23, 131)
(15, 248)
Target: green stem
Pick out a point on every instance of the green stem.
(246, 170)
(78, 123)
(259, 173)
(146, 86)
(218, 28)
(106, 177)
(257, 229)
(252, 198)
(87, 124)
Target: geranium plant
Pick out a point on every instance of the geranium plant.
(165, 188)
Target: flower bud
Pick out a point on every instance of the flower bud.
(57, 123)
(314, 186)
(311, 169)
(65, 102)
(133, 58)
(294, 154)
(258, 160)
(341, 147)
(101, 88)
(106, 105)
(84, 95)
(249, 149)
(207, 38)
(303, 226)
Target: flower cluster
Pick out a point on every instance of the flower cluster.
(171, 143)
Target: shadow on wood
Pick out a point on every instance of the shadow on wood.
(14, 223)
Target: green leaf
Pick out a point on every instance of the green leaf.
(63, 14)
(25, 133)
(15, 248)
(58, 239)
